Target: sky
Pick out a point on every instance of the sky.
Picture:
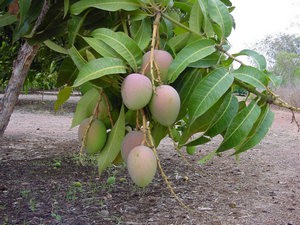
(255, 19)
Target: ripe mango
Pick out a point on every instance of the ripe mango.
(136, 91)
(165, 105)
(141, 165)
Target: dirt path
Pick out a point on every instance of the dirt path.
(38, 168)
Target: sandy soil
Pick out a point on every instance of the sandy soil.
(41, 181)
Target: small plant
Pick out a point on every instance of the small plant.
(56, 216)
(56, 164)
(73, 191)
(32, 205)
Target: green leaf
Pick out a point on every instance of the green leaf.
(178, 42)
(209, 91)
(189, 54)
(98, 68)
(122, 44)
(259, 130)
(24, 6)
(55, 47)
(66, 7)
(207, 157)
(219, 13)
(86, 102)
(62, 96)
(196, 18)
(275, 79)
(201, 124)
(113, 144)
(76, 57)
(224, 115)
(141, 32)
(251, 76)
(199, 141)
(185, 86)
(67, 73)
(259, 59)
(7, 19)
(107, 5)
(100, 47)
(240, 127)
(206, 62)
(158, 132)
(74, 25)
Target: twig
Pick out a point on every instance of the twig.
(164, 176)
(108, 108)
(295, 120)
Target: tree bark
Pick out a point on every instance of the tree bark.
(20, 69)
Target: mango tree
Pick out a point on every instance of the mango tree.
(149, 69)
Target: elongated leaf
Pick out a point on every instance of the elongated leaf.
(158, 133)
(24, 6)
(62, 96)
(86, 102)
(206, 62)
(196, 18)
(178, 42)
(201, 124)
(108, 5)
(55, 47)
(199, 141)
(98, 68)
(74, 25)
(207, 157)
(113, 144)
(7, 19)
(66, 7)
(219, 13)
(240, 127)
(77, 58)
(224, 115)
(100, 47)
(141, 31)
(185, 85)
(275, 80)
(122, 44)
(251, 76)
(219, 121)
(259, 59)
(259, 131)
(188, 55)
(67, 73)
(209, 91)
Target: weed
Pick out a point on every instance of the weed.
(25, 193)
(73, 191)
(56, 164)
(32, 204)
(56, 216)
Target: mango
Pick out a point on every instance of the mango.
(141, 165)
(136, 91)
(131, 140)
(165, 105)
(163, 60)
(96, 136)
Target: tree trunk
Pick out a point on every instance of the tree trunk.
(20, 69)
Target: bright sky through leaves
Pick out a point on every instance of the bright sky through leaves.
(257, 18)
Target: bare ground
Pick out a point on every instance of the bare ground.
(41, 181)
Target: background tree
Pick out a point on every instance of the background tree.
(282, 52)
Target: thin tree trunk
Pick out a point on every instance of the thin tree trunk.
(20, 69)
